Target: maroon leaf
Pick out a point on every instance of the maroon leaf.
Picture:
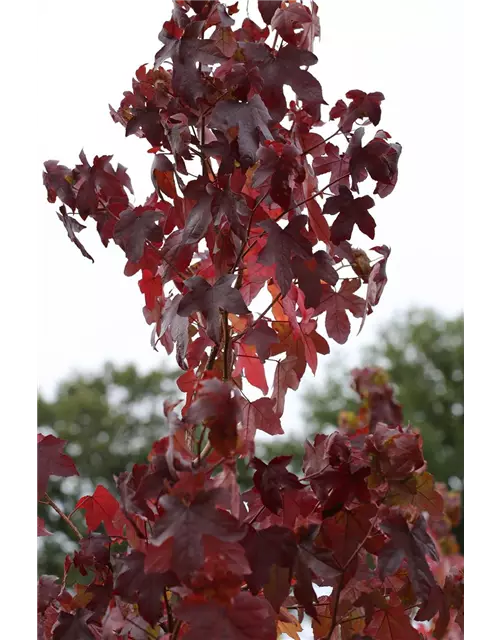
(209, 300)
(336, 304)
(247, 618)
(52, 461)
(218, 407)
(282, 245)
(185, 523)
(262, 336)
(397, 453)
(335, 164)
(376, 281)
(134, 227)
(73, 227)
(351, 211)
(47, 591)
(58, 180)
(284, 68)
(297, 25)
(41, 530)
(285, 377)
(148, 590)
(268, 8)
(176, 326)
(73, 627)
(412, 544)
(267, 547)
(280, 169)
(270, 479)
(362, 106)
(260, 415)
(311, 273)
(244, 121)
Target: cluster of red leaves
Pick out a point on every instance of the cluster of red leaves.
(201, 559)
(366, 520)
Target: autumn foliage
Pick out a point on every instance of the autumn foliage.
(245, 257)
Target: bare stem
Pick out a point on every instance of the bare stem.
(63, 516)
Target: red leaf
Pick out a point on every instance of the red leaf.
(262, 337)
(268, 8)
(147, 590)
(351, 211)
(285, 377)
(73, 227)
(297, 25)
(397, 454)
(152, 287)
(412, 544)
(259, 415)
(219, 409)
(270, 479)
(318, 222)
(391, 623)
(362, 106)
(336, 304)
(247, 361)
(134, 227)
(335, 164)
(186, 522)
(42, 531)
(247, 618)
(228, 115)
(284, 68)
(376, 281)
(281, 246)
(100, 507)
(73, 627)
(52, 461)
(209, 300)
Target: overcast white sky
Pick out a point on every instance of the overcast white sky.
(411, 51)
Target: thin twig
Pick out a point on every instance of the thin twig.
(63, 516)
(336, 605)
(227, 342)
(169, 611)
(176, 630)
(257, 515)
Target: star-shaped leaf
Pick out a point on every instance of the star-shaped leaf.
(270, 479)
(185, 523)
(336, 304)
(352, 211)
(245, 121)
(282, 245)
(210, 299)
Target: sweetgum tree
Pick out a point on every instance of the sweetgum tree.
(245, 259)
